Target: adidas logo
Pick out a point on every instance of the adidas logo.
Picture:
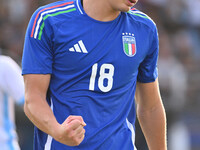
(80, 48)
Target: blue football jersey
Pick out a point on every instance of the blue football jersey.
(94, 68)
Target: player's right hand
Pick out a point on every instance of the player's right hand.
(71, 132)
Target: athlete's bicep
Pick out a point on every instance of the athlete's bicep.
(36, 85)
(147, 94)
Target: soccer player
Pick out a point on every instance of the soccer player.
(11, 91)
(82, 63)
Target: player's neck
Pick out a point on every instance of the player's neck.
(99, 10)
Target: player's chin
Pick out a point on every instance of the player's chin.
(125, 9)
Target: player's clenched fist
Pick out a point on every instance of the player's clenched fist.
(71, 131)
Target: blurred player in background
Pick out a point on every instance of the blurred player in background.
(11, 92)
(81, 63)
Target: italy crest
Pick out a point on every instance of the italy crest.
(129, 44)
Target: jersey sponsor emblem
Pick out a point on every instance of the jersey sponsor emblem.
(129, 44)
(79, 47)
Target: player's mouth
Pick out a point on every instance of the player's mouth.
(131, 2)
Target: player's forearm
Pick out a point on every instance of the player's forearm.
(41, 115)
(153, 124)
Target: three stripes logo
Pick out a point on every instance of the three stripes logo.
(79, 47)
(129, 44)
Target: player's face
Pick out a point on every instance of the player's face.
(122, 5)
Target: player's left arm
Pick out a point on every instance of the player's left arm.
(151, 115)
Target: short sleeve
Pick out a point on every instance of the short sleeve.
(37, 52)
(148, 71)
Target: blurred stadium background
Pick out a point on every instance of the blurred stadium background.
(178, 23)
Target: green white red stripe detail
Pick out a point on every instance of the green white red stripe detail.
(47, 12)
(140, 14)
(44, 10)
(129, 48)
(38, 25)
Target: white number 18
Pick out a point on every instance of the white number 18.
(103, 75)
